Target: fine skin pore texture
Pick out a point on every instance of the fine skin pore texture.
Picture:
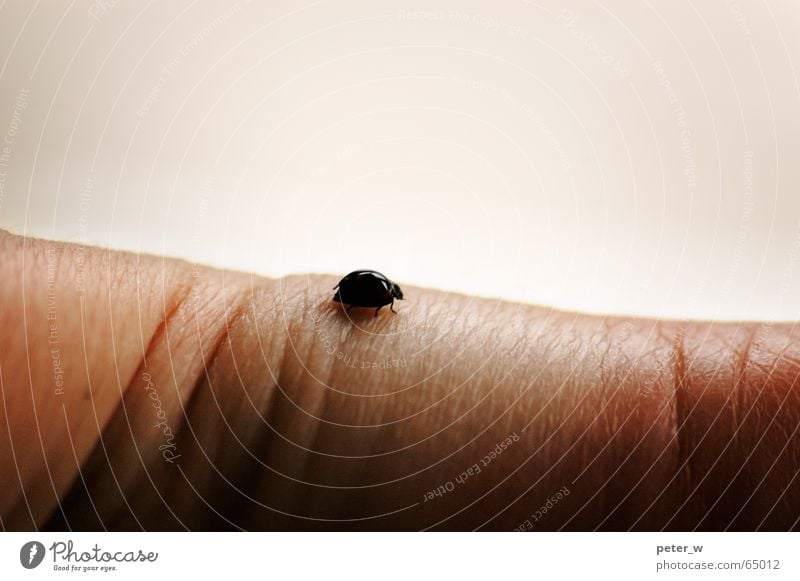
(147, 393)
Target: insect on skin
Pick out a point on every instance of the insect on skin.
(367, 288)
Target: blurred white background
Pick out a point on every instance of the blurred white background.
(613, 157)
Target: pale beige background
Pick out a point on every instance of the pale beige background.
(620, 157)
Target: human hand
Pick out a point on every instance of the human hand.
(147, 393)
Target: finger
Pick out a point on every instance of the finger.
(252, 403)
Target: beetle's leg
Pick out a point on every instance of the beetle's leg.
(391, 307)
(378, 309)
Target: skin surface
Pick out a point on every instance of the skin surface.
(148, 393)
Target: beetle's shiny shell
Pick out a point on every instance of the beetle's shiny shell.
(366, 288)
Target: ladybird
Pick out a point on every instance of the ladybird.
(367, 288)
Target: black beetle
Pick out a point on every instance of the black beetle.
(367, 288)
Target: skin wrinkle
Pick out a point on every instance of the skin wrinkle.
(689, 382)
(193, 447)
(210, 311)
(158, 337)
(297, 401)
(683, 476)
(232, 314)
(743, 364)
(320, 411)
(167, 328)
(336, 468)
(119, 421)
(263, 310)
(133, 271)
(212, 435)
(246, 336)
(739, 350)
(715, 440)
(560, 382)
